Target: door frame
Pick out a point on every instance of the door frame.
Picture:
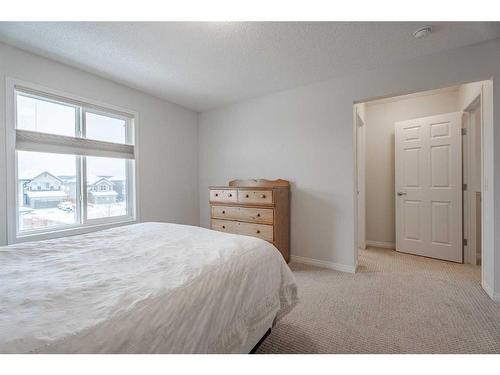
(469, 199)
(358, 114)
(361, 179)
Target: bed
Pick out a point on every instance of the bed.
(142, 288)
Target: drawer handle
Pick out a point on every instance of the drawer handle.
(216, 194)
(258, 215)
(247, 196)
(258, 231)
(230, 195)
(263, 196)
(223, 211)
(223, 227)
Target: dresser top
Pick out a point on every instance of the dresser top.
(244, 188)
(255, 184)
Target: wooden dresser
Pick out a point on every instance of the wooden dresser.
(259, 208)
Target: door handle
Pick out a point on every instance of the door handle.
(400, 193)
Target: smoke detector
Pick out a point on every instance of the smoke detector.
(422, 32)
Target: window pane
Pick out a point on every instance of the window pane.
(106, 187)
(104, 128)
(46, 190)
(44, 116)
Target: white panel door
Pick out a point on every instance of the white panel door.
(428, 158)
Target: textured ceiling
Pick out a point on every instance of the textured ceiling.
(203, 65)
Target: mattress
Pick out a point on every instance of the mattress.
(141, 288)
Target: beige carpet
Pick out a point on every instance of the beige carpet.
(396, 303)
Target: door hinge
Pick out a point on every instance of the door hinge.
(464, 187)
(464, 131)
(465, 242)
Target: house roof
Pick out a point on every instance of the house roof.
(93, 179)
(101, 180)
(45, 172)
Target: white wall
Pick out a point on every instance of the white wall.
(380, 118)
(290, 135)
(306, 135)
(467, 93)
(168, 144)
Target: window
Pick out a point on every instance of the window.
(45, 116)
(74, 164)
(105, 128)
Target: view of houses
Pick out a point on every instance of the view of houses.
(47, 200)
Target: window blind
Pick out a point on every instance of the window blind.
(27, 140)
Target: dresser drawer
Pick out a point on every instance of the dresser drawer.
(225, 212)
(251, 214)
(248, 229)
(256, 215)
(256, 230)
(255, 196)
(224, 195)
(225, 226)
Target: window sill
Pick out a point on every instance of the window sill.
(73, 231)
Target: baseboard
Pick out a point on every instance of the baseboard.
(323, 264)
(385, 245)
(490, 292)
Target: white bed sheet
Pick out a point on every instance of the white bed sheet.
(142, 288)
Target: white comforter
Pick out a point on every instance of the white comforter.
(142, 288)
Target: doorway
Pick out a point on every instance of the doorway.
(428, 147)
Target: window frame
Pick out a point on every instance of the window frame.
(83, 225)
